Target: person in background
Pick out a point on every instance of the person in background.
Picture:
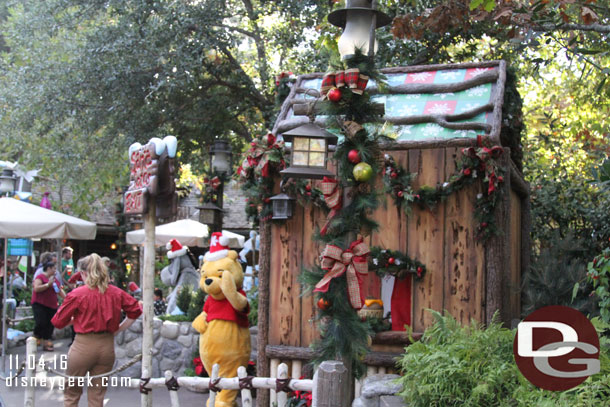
(44, 304)
(95, 312)
(67, 263)
(160, 306)
(77, 278)
(49, 257)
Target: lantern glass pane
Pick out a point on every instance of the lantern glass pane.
(300, 143)
(221, 163)
(279, 208)
(300, 158)
(316, 160)
(317, 144)
(207, 217)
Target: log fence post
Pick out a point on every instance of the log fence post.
(329, 385)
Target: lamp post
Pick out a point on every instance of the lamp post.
(7, 187)
(221, 164)
(7, 182)
(359, 19)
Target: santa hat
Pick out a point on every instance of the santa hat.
(133, 287)
(175, 249)
(219, 247)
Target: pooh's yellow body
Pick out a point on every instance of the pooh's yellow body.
(224, 339)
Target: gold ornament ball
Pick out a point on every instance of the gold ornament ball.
(363, 172)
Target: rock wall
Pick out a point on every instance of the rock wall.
(173, 346)
(380, 391)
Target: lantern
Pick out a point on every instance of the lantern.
(7, 182)
(356, 19)
(309, 152)
(283, 206)
(220, 157)
(211, 215)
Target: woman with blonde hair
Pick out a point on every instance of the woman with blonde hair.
(95, 311)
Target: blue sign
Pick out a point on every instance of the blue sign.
(19, 247)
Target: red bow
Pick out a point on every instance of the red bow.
(332, 197)
(353, 262)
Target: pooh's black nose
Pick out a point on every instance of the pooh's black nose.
(208, 281)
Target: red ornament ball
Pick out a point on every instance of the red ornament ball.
(334, 95)
(391, 260)
(323, 304)
(419, 271)
(394, 175)
(484, 224)
(353, 156)
(400, 194)
(308, 187)
(467, 172)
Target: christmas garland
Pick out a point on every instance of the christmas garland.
(261, 163)
(394, 263)
(351, 200)
(476, 163)
(211, 187)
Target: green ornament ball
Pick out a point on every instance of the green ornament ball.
(363, 172)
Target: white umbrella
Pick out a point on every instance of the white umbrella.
(235, 240)
(20, 219)
(188, 232)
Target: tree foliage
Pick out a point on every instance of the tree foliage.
(83, 79)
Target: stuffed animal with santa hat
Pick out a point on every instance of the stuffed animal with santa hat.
(223, 324)
(180, 273)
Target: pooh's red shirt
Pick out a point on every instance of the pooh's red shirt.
(223, 309)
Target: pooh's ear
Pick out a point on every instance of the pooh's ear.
(232, 254)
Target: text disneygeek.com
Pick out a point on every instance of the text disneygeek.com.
(57, 362)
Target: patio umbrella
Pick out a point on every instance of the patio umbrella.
(20, 219)
(188, 232)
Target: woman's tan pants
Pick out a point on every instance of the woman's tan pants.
(93, 353)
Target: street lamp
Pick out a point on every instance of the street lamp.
(309, 152)
(7, 182)
(211, 215)
(283, 206)
(220, 157)
(356, 19)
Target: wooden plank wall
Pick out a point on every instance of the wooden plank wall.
(515, 255)
(442, 239)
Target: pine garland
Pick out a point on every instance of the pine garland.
(344, 334)
(477, 163)
(394, 263)
(261, 164)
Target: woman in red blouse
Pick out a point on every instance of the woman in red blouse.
(95, 311)
(44, 303)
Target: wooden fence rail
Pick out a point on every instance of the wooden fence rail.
(327, 386)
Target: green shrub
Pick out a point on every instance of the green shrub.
(252, 295)
(25, 326)
(184, 298)
(196, 306)
(175, 318)
(474, 366)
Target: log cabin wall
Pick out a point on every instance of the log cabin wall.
(444, 240)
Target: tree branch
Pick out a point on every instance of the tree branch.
(605, 29)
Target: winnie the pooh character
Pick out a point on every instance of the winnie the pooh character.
(223, 324)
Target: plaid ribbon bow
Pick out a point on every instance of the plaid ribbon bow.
(256, 156)
(353, 262)
(352, 78)
(332, 197)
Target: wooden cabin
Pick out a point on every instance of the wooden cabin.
(469, 279)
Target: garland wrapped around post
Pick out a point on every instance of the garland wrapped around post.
(352, 200)
(261, 164)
